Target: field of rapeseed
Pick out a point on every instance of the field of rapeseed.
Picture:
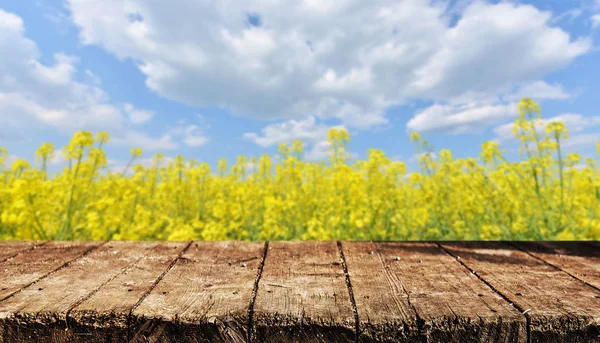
(547, 195)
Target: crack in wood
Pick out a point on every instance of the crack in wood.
(350, 291)
(521, 310)
(160, 277)
(24, 251)
(552, 265)
(255, 292)
(64, 265)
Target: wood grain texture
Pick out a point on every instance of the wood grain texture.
(30, 266)
(452, 304)
(9, 249)
(40, 312)
(105, 315)
(301, 292)
(204, 297)
(302, 295)
(579, 259)
(559, 308)
(384, 310)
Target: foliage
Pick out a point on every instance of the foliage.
(545, 196)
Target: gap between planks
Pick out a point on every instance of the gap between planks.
(160, 277)
(255, 292)
(64, 265)
(259, 275)
(22, 251)
(523, 312)
(552, 265)
(350, 291)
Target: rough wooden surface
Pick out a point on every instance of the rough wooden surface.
(427, 284)
(9, 249)
(204, 298)
(299, 292)
(303, 295)
(27, 268)
(579, 260)
(558, 307)
(105, 314)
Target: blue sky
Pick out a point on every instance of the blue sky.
(220, 79)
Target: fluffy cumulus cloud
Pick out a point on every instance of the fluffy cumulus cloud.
(305, 130)
(473, 112)
(574, 122)
(33, 94)
(457, 119)
(294, 59)
(313, 136)
(137, 116)
(577, 124)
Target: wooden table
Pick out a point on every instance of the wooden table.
(299, 292)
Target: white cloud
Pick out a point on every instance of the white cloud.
(538, 90)
(321, 151)
(306, 130)
(193, 137)
(478, 54)
(318, 152)
(34, 95)
(142, 140)
(582, 141)
(571, 14)
(137, 116)
(457, 119)
(93, 77)
(309, 58)
(595, 21)
(58, 159)
(312, 135)
(473, 112)
(573, 122)
(191, 134)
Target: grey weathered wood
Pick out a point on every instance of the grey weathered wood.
(302, 295)
(204, 297)
(559, 307)
(579, 259)
(40, 312)
(9, 249)
(390, 279)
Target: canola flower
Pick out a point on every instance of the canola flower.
(547, 195)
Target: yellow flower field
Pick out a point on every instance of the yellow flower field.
(547, 195)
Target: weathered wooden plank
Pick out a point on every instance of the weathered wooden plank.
(105, 315)
(559, 308)
(9, 249)
(576, 258)
(392, 280)
(384, 310)
(32, 265)
(41, 311)
(302, 295)
(204, 297)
